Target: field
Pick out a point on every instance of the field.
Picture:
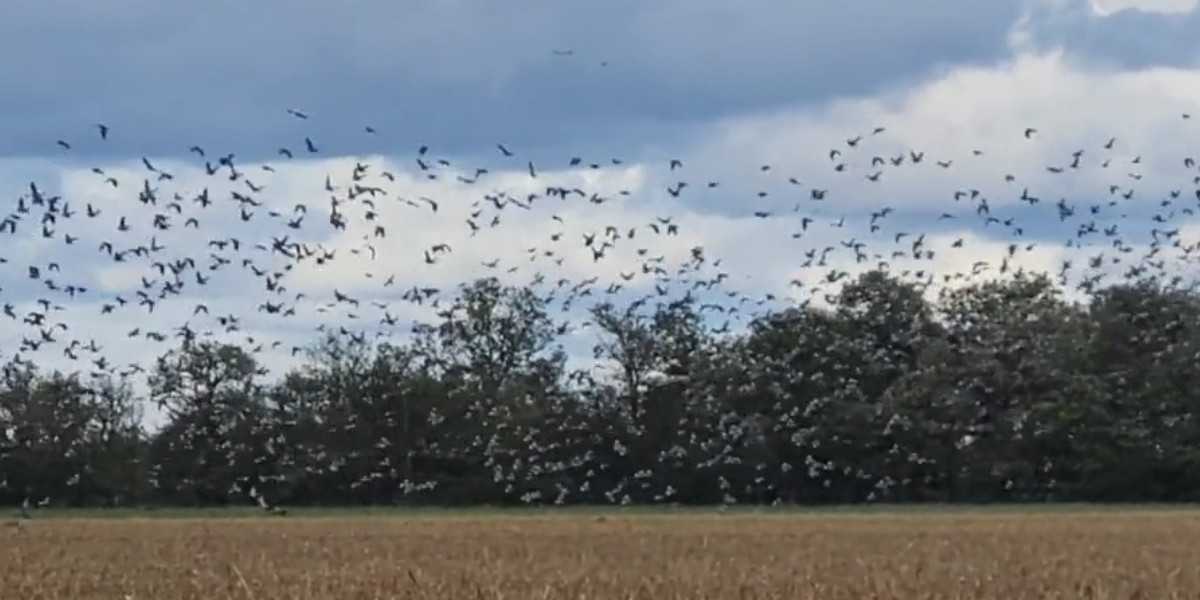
(1002, 554)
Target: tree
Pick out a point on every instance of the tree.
(207, 451)
(46, 429)
(806, 378)
(494, 352)
(71, 441)
(1145, 348)
(116, 452)
(1000, 392)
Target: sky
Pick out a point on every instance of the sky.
(726, 89)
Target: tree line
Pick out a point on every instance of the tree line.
(999, 391)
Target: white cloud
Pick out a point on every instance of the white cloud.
(986, 109)
(1110, 7)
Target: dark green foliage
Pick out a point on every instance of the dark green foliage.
(999, 391)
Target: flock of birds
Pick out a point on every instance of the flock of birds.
(176, 246)
(195, 239)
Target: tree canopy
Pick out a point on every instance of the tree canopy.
(996, 391)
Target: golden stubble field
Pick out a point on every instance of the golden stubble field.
(1109, 554)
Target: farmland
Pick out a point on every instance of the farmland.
(1076, 552)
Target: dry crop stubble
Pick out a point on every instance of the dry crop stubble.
(1099, 555)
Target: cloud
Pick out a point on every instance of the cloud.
(458, 76)
(1110, 7)
(1122, 34)
(949, 118)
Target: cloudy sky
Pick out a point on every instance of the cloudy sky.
(727, 89)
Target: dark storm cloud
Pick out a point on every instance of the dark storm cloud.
(456, 75)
